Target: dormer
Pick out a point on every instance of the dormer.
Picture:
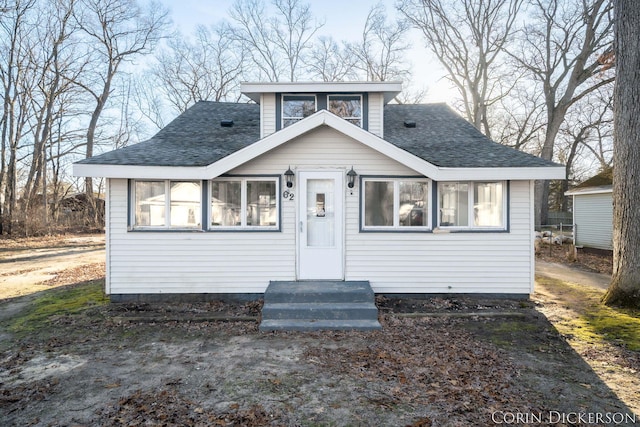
(283, 104)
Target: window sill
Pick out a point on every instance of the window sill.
(243, 229)
(446, 230)
(395, 230)
(164, 230)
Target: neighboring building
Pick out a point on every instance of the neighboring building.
(319, 181)
(593, 212)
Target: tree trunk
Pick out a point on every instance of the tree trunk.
(625, 284)
(92, 214)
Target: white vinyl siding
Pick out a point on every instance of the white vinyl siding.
(593, 216)
(493, 262)
(192, 262)
(107, 221)
(376, 109)
(267, 114)
(241, 262)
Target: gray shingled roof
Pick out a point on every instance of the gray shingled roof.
(195, 138)
(445, 139)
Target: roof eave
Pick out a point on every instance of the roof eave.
(138, 171)
(589, 190)
(390, 89)
(501, 173)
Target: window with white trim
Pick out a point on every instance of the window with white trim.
(167, 204)
(475, 205)
(349, 107)
(296, 108)
(395, 204)
(244, 203)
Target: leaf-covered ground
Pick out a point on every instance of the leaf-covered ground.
(68, 357)
(123, 365)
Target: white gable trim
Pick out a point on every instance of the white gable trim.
(320, 118)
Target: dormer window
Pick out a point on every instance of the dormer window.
(349, 107)
(296, 108)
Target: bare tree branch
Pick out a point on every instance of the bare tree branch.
(380, 54)
(468, 38)
(560, 47)
(277, 43)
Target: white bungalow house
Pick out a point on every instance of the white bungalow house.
(593, 212)
(325, 181)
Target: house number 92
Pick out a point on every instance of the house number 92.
(287, 195)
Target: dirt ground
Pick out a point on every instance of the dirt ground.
(36, 264)
(437, 362)
(598, 262)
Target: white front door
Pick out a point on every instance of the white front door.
(321, 201)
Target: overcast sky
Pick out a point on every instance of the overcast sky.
(344, 20)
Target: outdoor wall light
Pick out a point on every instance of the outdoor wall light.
(351, 178)
(288, 176)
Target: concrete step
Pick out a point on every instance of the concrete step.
(318, 325)
(319, 305)
(321, 311)
(319, 291)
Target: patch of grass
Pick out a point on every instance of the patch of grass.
(504, 332)
(594, 321)
(513, 327)
(59, 302)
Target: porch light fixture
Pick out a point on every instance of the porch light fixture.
(288, 176)
(351, 178)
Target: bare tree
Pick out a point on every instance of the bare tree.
(583, 143)
(412, 95)
(17, 81)
(560, 48)
(380, 54)
(294, 34)
(149, 100)
(625, 285)
(330, 62)
(51, 61)
(208, 68)
(277, 43)
(120, 30)
(519, 122)
(585, 137)
(468, 37)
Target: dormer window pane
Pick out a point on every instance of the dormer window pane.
(296, 108)
(349, 107)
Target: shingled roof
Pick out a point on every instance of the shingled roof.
(603, 179)
(445, 139)
(196, 138)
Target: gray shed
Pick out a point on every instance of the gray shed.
(593, 212)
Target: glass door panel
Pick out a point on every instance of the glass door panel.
(320, 213)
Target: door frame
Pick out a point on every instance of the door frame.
(302, 175)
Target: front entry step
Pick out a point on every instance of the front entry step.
(319, 305)
(319, 325)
